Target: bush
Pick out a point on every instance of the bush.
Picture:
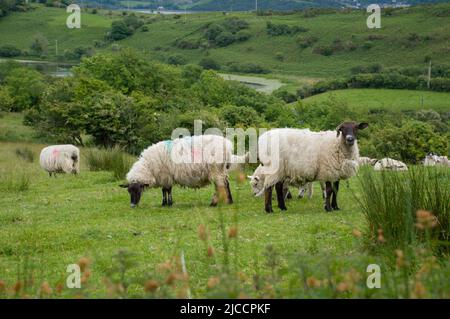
(187, 44)
(110, 159)
(404, 208)
(283, 29)
(25, 153)
(325, 50)
(209, 64)
(224, 39)
(9, 51)
(176, 59)
(306, 41)
(145, 28)
(248, 68)
(243, 36)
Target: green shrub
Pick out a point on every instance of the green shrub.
(306, 41)
(243, 35)
(176, 59)
(9, 51)
(25, 153)
(209, 64)
(113, 160)
(404, 208)
(254, 68)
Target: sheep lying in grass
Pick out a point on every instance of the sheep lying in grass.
(305, 156)
(436, 160)
(192, 162)
(390, 164)
(60, 159)
(366, 161)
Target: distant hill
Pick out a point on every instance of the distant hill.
(246, 5)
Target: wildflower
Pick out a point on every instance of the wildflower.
(2, 285)
(85, 276)
(240, 177)
(151, 285)
(418, 290)
(83, 263)
(212, 282)
(202, 232)
(380, 236)
(46, 290)
(210, 251)
(425, 220)
(342, 287)
(312, 282)
(232, 232)
(171, 279)
(59, 288)
(17, 286)
(357, 233)
(400, 262)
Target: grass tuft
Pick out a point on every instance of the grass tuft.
(112, 159)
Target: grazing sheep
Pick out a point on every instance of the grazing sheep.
(305, 156)
(390, 165)
(366, 161)
(192, 162)
(436, 160)
(60, 159)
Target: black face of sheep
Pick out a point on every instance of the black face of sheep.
(349, 131)
(135, 190)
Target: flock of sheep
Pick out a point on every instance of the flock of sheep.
(288, 157)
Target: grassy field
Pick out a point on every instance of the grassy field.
(390, 48)
(365, 99)
(56, 221)
(50, 223)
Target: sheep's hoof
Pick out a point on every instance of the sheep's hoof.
(164, 203)
(336, 208)
(269, 210)
(282, 208)
(328, 209)
(213, 204)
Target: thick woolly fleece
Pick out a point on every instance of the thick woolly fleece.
(60, 159)
(190, 161)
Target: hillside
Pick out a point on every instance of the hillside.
(407, 37)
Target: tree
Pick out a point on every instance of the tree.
(25, 86)
(39, 45)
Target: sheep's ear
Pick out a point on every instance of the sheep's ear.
(338, 129)
(362, 126)
(124, 185)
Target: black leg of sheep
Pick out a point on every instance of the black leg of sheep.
(268, 199)
(280, 196)
(169, 196)
(164, 193)
(334, 204)
(229, 197)
(329, 192)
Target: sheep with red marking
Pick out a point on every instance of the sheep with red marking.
(60, 159)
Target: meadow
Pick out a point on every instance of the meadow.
(86, 219)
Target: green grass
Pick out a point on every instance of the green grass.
(365, 99)
(12, 128)
(18, 29)
(393, 50)
(53, 222)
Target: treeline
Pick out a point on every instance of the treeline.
(121, 99)
(373, 76)
(7, 6)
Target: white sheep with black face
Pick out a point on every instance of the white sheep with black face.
(303, 156)
(192, 162)
(60, 159)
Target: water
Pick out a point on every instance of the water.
(48, 68)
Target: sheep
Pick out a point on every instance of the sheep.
(305, 156)
(366, 161)
(192, 162)
(390, 164)
(60, 159)
(435, 160)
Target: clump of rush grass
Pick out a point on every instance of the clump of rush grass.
(112, 159)
(14, 181)
(25, 153)
(407, 208)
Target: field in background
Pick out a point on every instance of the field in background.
(158, 42)
(362, 99)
